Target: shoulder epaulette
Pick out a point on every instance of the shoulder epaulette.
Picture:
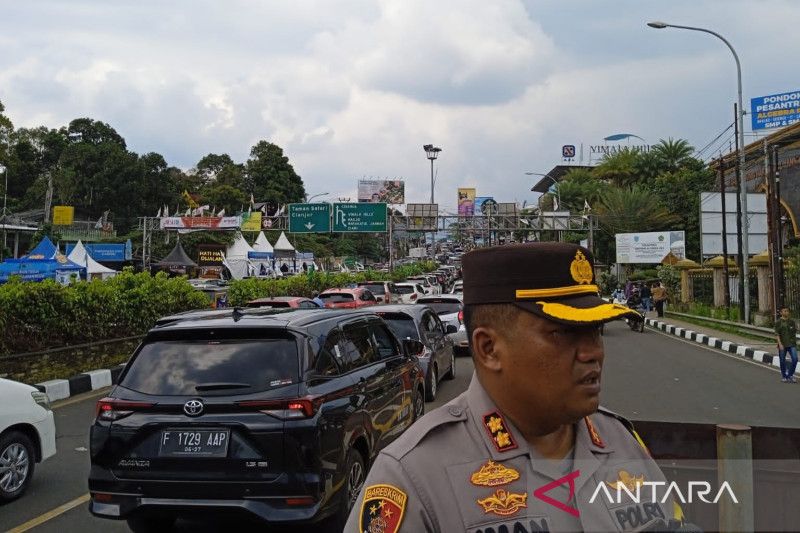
(447, 414)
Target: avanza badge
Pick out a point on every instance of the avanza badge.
(503, 503)
(493, 475)
(382, 509)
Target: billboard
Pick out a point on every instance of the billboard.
(651, 247)
(382, 191)
(479, 201)
(200, 222)
(106, 251)
(251, 221)
(210, 254)
(775, 110)
(63, 215)
(711, 223)
(466, 202)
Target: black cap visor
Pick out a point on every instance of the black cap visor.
(586, 310)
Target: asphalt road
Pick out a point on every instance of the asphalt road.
(647, 376)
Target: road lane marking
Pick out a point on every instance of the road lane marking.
(49, 515)
(717, 351)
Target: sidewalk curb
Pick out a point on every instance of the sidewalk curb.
(61, 389)
(713, 342)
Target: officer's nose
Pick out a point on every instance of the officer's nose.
(590, 345)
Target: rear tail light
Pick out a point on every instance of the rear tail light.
(110, 409)
(413, 296)
(303, 500)
(283, 409)
(461, 317)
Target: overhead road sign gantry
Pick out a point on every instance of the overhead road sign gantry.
(310, 218)
(359, 218)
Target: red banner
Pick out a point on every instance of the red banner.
(200, 222)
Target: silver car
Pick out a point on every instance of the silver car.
(450, 309)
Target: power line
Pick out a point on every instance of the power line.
(699, 153)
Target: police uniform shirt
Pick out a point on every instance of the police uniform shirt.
(465, 467)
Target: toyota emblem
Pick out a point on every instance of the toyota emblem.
(193, 408)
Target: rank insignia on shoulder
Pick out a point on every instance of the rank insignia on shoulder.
(493, 475)
(382, 509)
(503, 503)
(593, 434)
(501, 436)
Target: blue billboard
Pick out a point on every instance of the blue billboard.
(775, 110)
(106, 251)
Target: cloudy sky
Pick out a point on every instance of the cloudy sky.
(354, 88)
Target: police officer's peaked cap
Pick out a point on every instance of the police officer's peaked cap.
(552, 280)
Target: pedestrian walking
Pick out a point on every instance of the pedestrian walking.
(786, 330)
(526, 446)
(659, 295)
(646, 298)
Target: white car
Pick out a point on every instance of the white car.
(409, 292)
(27, 436)
(458, 287)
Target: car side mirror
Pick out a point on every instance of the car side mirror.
(451, 329)
(413, 347)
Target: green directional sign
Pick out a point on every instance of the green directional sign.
(309, 218)
(359, 217)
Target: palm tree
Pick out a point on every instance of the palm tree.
(672, 154)
(619, 168)
(624, 210)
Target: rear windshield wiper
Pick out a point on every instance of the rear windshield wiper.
(221, 386)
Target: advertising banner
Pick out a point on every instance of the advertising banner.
(210, 254)
(466, 202)
(651, 247)
(63, 215)
(382, 191)
(200, 222)
(775, 110)
(106, 251)
(251, 221)
(479, 201)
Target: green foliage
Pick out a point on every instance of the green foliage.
(607, 282)
(37, 316)
(636, 209)
(270, 176)
(671, 280)
(242, 291)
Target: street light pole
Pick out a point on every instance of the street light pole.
(743, 185)
(431, 152)
(308, 200)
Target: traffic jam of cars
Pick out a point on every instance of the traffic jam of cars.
(274, 410)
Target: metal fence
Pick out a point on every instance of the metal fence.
(701, 283)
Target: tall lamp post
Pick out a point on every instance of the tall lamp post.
(742, 185)
(4, 170)
(308, 200)
(431, 152)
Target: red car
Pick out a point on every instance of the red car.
(283, 302)
(348, 298)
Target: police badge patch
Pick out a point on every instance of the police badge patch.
(382, 509)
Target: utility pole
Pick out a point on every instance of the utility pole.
(775, 237)
(739, 255)
(722, 190)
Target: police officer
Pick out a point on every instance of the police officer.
(527, 447)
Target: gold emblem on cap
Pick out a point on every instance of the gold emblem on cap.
(581, 269)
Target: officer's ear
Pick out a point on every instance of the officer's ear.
(485, 344)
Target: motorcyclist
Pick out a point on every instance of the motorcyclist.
(635, 300)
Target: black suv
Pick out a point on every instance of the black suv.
(275, 415)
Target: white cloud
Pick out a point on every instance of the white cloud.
(355, 87)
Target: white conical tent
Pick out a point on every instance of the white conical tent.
(236, 258)
(283, 244)
(80, 256)
(262, 244)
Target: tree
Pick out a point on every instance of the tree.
(579, 186)
(270, 177)
(623, 210)
(225, 197)
(620, 168)
(673, 155)
(215, 169)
